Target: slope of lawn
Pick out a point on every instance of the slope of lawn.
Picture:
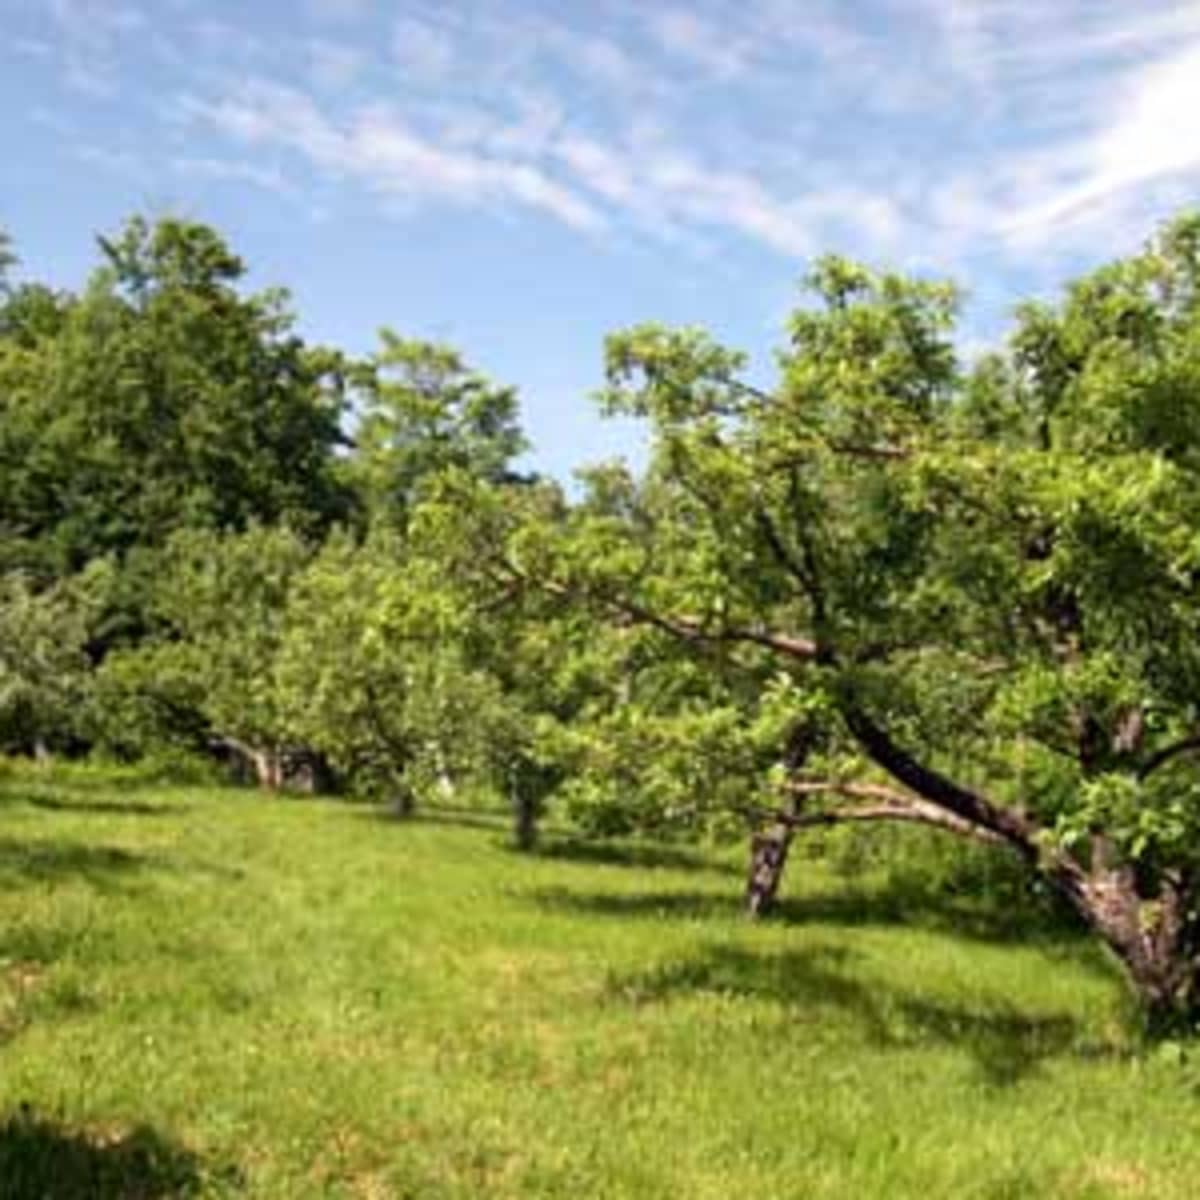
(215, 993)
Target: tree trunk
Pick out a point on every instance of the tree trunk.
(526, 810)
(768, 857)
(403, 803)
(268, 769)
(1154, 937)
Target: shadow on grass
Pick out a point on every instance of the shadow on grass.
(981, 917)
(468, 818)
(44, 861)
(1005, 1044)
(978, 918)
(117, 808)
(42, 1160)
(629, 854)
(686, 906)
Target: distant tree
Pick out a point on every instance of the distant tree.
(207, 675)
(984, 590)
(422, 411)
(161, 398)
(373, 671)
(45, 683)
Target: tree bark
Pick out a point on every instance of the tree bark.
(768, 858)
(1153, 935)
(1148, 930)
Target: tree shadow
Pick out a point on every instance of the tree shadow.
(694, 906)
(119, 808)
(629, 854)
(1005, 1044)
(979, 918)
(42, 1160)
(466, 818)
(45, 861)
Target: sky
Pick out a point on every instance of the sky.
(520, 178)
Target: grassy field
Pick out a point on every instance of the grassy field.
(212, 993)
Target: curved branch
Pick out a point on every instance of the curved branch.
(1168, 753)
(692, 630)
(960, 802)
(888, 805)
(686, 628)
(895, 812)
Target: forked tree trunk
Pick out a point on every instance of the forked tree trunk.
(265, 764)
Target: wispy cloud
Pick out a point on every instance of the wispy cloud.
(91, 35)
(377, 146)
(1150, 138)
(233, 171)
(939, 132)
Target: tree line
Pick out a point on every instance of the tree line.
(893, 587)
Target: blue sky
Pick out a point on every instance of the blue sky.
(519, 178)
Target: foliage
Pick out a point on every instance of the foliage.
(219, 605)
(884, 588)
(422, 412)
(45, 681)
(985, 586)
(159, 398)
(373, 671)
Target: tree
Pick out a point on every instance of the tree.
(44, 668)
(160, 398)
(423, 411)
(207, 675)
(983, 589)
(373, 671)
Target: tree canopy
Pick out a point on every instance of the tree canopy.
(891, 586)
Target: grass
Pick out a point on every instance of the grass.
(207, 993)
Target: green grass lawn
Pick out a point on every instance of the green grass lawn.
(214, 993)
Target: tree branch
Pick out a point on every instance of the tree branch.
(893, 812)
(685, 628)
(692, 630)
(1167, 753)
(969, 806)
(888, 805)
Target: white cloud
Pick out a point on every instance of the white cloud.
(1115, 167)
(30, 47)
(378, 147)
(90, 36)
(268, 178)
(938, 132)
